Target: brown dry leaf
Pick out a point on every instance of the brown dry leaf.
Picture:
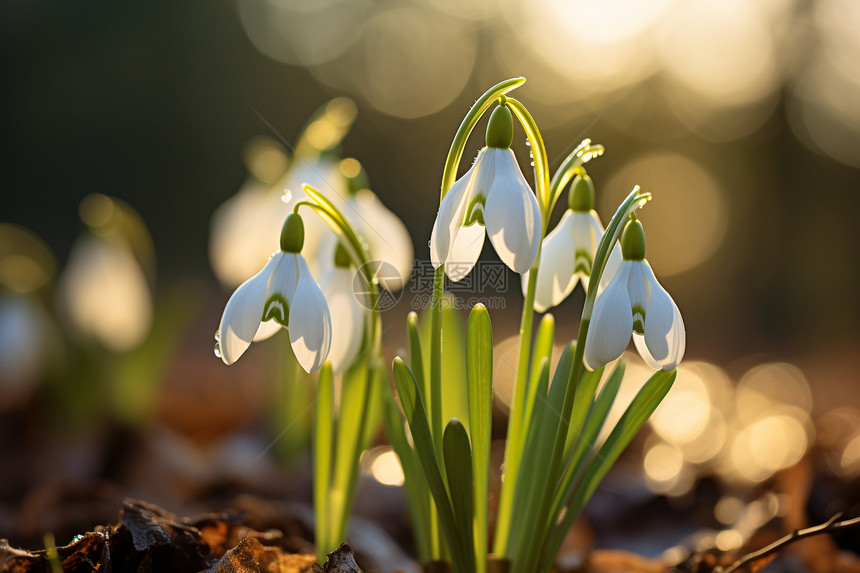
(251, 556)
(341, 560)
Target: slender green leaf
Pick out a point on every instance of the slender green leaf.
(416, 356)
(322, 459)
(417, 492)
(353, 416)
(532, 481)
(416, 417)
(582, 402)
(637, 413)
(479, 353)
(542, 349)
(577, 462)
(458, 465)
(547, 403)
(561, 377)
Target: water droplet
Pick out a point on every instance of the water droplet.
(532, 163)
(287, 196)
(218, 335)
(218, 349)
(528, 143)
(428, 243)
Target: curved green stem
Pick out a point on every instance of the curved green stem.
(345, 475)
(356, 248)
(633, 201)
(570, 167)
(539, 158)
(468, 124)
(517, 421)
(449, 174)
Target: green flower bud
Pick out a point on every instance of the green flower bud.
(293, 234)
(633, 241)
(341, 256)
(500, 129)
(581, 195)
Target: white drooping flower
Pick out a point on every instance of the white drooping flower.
(635, 303)
(493, 194)
(348, 312)
(283, 294)
(567, 254)
(387, 239)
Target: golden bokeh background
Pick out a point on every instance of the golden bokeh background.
(129, 120)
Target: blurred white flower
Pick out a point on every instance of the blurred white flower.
(347, 316)
(244, 228)
(635, 303)
(386, 236)
(24, 341)
(105, 294)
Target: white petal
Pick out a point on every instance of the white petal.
(639, 341)
(512, 214)
(665, 337)
(613, 263)
(556, 279)
(386, 236)
(587, 231)
(347, 318)
(280, 288)
(465, 252)
(611, 322)
(241, 318)
(452, 209)
(310, 321)
(267, 329)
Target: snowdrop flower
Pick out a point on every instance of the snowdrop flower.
(493, 194)
(567, 254)
(347, 311)
(282, 294)
(387, 238)
(635, 302)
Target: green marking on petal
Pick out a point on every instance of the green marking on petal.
(638, 319)
(582, 262)
(277, 309)
(475, 211)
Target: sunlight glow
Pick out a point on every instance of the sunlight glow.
(688, 221)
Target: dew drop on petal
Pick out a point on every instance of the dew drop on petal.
(528, 143)
(218, 335)
(218, 349)
(428, 243)
(287, 196)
